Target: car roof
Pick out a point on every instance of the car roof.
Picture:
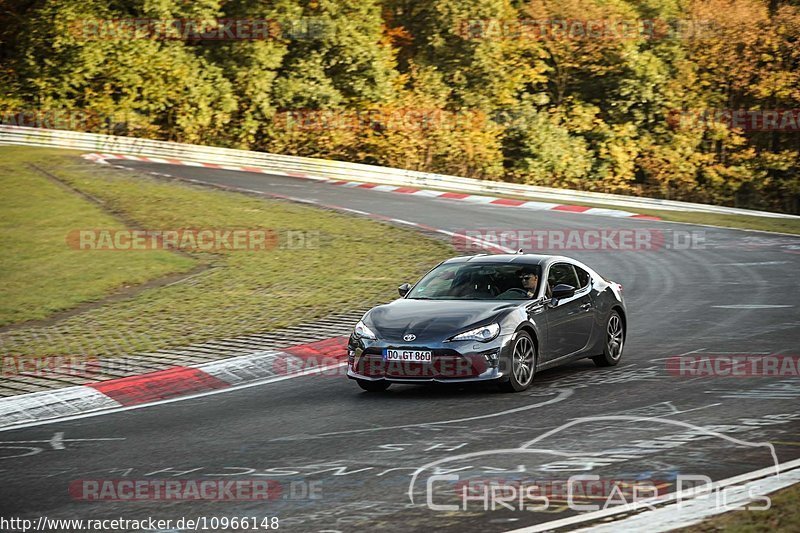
(523, 259)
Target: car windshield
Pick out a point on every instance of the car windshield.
(478, 281)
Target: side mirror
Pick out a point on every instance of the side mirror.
(405, 287)
(562, 290)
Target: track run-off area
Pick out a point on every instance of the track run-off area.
(338, 459)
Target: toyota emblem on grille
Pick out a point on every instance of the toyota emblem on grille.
(409, 337)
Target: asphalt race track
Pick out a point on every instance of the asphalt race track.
(344, 459)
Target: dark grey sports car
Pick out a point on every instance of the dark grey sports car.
(490, 318)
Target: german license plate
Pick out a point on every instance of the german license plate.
(413, 356)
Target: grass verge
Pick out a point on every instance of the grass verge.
(784, 515)
(780, 225)
(39, 273)
(355, 263)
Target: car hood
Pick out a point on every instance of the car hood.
(432, 320)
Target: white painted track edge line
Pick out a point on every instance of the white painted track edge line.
(672, 516)
(605, 513)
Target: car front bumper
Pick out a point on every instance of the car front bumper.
(453, 362)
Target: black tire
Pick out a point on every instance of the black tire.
(522, 364)
(373, 386)
(614, 343)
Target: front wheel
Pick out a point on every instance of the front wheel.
(373, 386)
(523, 364)
(615, 340)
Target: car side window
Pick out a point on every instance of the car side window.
(562, 273)
(583, 277)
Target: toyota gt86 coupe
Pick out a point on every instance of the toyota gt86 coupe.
(498, 318)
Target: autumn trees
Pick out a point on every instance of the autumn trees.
(604, 95)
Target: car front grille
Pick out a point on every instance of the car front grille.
(446, 364)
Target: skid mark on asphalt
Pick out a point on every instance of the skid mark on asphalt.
(780, 390)
(644, 419)
(651, 411)
(562, 395)
(620, 374)
(750, 306)
(758, 263)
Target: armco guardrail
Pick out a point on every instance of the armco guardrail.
(339, 169)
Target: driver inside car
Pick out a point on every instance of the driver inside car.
(529, 280)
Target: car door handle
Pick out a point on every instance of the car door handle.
(586, 306)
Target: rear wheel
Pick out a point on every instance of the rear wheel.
(373, 386)
(523, 364)
(615, 340)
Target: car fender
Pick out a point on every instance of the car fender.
(538, 327)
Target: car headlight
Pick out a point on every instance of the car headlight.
(363, 332)
(482, 334)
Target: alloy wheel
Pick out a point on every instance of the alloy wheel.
(523, 361)
(615, 336)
